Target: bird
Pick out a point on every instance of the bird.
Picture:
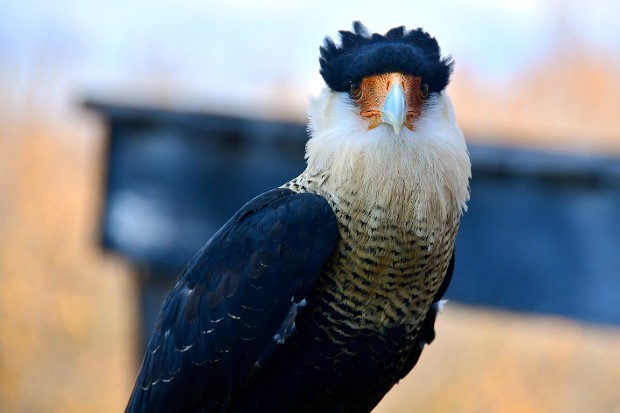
(321, 294)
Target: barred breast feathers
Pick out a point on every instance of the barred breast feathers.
(419, 175)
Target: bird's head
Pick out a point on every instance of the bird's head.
(384, 124)
(390, 77)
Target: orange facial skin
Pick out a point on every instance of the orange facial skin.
(374, 89)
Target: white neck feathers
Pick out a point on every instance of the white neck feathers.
(420, 174)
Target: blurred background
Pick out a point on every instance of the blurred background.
(536, 75)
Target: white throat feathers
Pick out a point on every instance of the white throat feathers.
(417, 175)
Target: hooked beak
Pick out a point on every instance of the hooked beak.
(389, 98)
(394, 108)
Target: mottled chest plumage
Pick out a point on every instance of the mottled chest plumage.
(363, 326)
(384, 272)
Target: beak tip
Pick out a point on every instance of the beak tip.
(397, 128)
(393, 121)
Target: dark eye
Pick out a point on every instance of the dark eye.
(356, 91)
(423, 91)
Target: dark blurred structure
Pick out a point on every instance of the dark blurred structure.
(542, 233)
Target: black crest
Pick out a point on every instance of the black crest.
(361, 54)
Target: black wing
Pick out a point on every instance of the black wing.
(427, 331)
(241, 290)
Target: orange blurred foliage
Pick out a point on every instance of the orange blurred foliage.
(65, 337)
(568, 102)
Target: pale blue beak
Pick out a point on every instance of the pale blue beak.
(394, 108)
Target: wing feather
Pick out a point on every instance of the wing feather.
(236, 294)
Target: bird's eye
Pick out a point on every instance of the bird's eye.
(356, 91)
(423, 91)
